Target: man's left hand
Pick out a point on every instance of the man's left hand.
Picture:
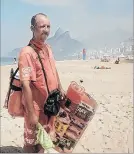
(63, 94)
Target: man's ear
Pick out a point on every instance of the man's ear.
(32, 28)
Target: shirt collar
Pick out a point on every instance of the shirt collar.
(38, 45)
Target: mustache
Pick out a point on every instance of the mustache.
(46, 33)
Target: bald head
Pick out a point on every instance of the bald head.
(40, 26)
(33, 20)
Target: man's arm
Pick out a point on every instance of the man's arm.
(33, 119)
(59, 83)
(27, 74)
(60, 86)
(28, 96)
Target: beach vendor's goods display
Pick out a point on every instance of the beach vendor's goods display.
(73, 118)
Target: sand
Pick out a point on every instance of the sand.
(110, 131)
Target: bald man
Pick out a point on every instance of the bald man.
(34, 85)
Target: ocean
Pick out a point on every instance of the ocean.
(10, 60)
(6, 61)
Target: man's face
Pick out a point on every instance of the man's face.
(42, 28)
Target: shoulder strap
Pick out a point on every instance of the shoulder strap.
(31, 45)
(12, 77)
(11, 81)
(11, 86)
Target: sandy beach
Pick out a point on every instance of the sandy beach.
(110, 131)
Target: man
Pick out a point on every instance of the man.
(33, 82)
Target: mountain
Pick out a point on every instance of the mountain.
(63, 45)
(58, 32)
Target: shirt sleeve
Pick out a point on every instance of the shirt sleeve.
(27, 67)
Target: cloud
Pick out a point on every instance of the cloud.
(51, 2)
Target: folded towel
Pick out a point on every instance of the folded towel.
(43, 138)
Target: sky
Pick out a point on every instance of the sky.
(95, 23)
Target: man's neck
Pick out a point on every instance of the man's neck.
(38, 41)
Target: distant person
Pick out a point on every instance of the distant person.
(117, 61)
(15, 61)
(34, 86)
(78, 56)
(84, 54)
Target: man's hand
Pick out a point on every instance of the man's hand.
(63, 94)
